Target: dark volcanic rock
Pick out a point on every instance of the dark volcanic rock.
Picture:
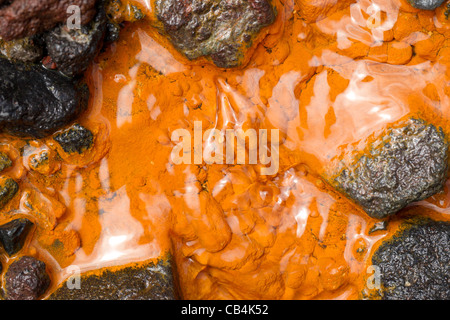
(408, 164)
(426, 4)
(146, 282)
(26, 279)
(13, 235)
(112, 32)
(75, 139)
(73, 50)
(415, 263)
(24, 18)
(221, 30)
(8, 189)
(36, 102)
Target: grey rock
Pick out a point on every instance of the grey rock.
(408, 164)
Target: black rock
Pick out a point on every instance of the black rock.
(36, 102)
(26, 279)
(141, 282)
(112, 31)
(415, 263)
(13, 235)
(408, 164)
(8, 189)
(73, 50)
(75, 139)
(426, 4)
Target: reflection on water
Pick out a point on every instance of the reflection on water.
(329, 86)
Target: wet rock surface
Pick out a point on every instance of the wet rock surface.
(73, 50)
(147, 282)
(36, 102)
(5, 161)
(8, 189)
(13, 235)
(26, 279)
(75, 139)
(24, 18)
(26, 50)
(415, 264)
(426, 4)
(408, 164)
(221, 30)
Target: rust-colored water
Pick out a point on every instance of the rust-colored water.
(329, 76)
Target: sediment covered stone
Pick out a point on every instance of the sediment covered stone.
(26, 50)
(5, 161)
(8, 189)
(415, 263)
(221, 30)
(13, 235)
(24, 18)
(408, 164)
(26, 279)
(148, 281)
(35, 101)
(75, 139)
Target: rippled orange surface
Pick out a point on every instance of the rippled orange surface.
(328, 75)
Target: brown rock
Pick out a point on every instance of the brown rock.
(219, 30)
(26, 279)
(24, 18)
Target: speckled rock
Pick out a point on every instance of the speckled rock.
(26, 50)
(426, 4)
(26, 279)
(415, 263)
(5, 161)
(75, 139)
(8, 189)
(148, 281)
(408, 164)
